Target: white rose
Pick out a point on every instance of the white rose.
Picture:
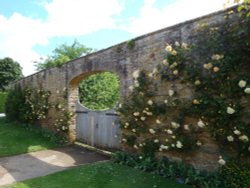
(184, 45)
(217, 57)
(195, 101)
(169, 131)
(198, 143)
(136, 147)
(237, 132)
(208, 66)
(175, 125)
(242, 83)
(150, 102)
(136, 74)
(170, 92)
(124, 140)
(150, 74)
(140, 157)
(197, 82)
(201, 124)
(152, 131)
(156, 141)
(230, 138)
(133, 130)
(175, 64)
(143, 118)
(186, 127)
(136, 83)
(165, 62)
(155, 71)
(216, 69)
(177, 43)
(131, 88)
(244, 138)
(168, 48)
(179, 144)
(149, 113)
(158, 121)
(165, 101)
(175, 72)
(247, 90)
(230, 110)
(221, 161)
(164, 147)
(136, 113)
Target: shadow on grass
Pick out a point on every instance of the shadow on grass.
(36, 164)
(16, 139)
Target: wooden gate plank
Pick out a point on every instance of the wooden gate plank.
(97, 128)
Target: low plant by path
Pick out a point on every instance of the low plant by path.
(2, 101)
(16, 138)
(100, 175)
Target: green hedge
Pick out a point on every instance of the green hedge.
(2, 101)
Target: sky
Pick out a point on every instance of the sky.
(32, 29)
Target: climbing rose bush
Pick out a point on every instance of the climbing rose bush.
(217, 74)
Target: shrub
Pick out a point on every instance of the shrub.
(231, 175)
(14, 104)
(236, 175)
(3, 97)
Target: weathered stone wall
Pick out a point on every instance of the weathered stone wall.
(142, 53)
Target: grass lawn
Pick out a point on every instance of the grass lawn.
(99, 175)
(16, 139)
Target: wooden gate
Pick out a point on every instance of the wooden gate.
(97, 128)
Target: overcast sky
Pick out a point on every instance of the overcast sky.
(30, 29)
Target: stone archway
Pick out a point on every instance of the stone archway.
(73, 99)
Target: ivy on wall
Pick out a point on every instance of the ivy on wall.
(215, 69)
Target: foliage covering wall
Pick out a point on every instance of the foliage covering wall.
(207, 84)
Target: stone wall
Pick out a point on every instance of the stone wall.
(123, 59)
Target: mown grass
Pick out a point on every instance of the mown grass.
(99, 175)
(16, 138)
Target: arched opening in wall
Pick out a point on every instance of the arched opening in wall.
(99, 91)
(96, 119)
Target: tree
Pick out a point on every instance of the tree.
(62, 54)
(99, 91)
(10, 71)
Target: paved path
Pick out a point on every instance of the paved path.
(41, 163)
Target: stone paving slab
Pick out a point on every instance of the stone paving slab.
(41, 163)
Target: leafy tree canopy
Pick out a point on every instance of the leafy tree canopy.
(99, 91)
(62, 54)
(10, 71)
